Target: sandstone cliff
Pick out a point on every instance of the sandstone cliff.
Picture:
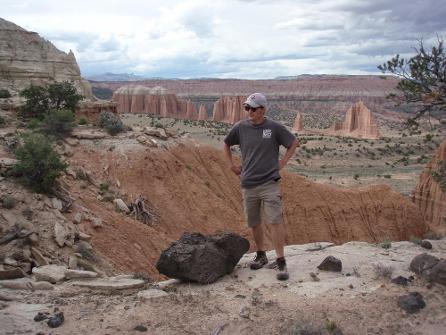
(202, 114)
(155, 101)
(298, 122)
(430, 194)
(26, 58)
(229, 109)
(358, 123)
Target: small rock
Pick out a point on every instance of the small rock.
(40, 317)
(84, 237)
(111, 283)
(245, 312)
(72, 262)
(56, 203)
(77, 218)
(400, 280)
(350, 286)
(151, 294)
(426, 244)
(52, 273)
(140, 328)
(63, 234)
(411, 302)
(39, 259)
(331, 263)
(11, 273)
(121, 206)
(10, 261)
(96, 222)
(314, 276)
(56, 320)
(72, 274)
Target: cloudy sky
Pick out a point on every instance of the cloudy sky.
(231, 38)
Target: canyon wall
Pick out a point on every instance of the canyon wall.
(155, 101)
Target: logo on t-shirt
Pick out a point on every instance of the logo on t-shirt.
(267, 133)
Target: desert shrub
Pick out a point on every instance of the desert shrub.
(82, 121)
(40, 100)
(386, 244)
(8, 202)
(110, 122)
(330, 325)
(33, 124)
(356, 176)
(103, 187)
(2, 121)
(59, 123)
(39, 164)
(415, 240)
(440, 175)
(388, 176)
(382, 271)
(4, 93)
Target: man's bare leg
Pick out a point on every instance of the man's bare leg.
(257, 233)
(278, 235)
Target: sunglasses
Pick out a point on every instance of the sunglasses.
(249, 108)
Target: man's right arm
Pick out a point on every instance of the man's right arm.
(237, 169)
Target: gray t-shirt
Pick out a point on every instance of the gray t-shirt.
(260, 149)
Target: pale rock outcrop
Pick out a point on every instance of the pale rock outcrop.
(155, 101)
(91, 109)
(26, 58)
(298, 122)
(429, 195)
(202, 114)
(358, 123)
(229, 109)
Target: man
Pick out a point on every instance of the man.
(259, 139)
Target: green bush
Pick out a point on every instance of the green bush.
(33, 124)
(40, 100)
(82, 121)
(8, 202)
(4, 93)
(39, 164)
(110, 122)
(59, 123)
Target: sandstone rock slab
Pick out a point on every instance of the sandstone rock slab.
(77, 274)
(121, 206)
(111, 283)
(51, 273)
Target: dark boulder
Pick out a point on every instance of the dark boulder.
(56, 320)
(438, 273)
(423, 263)
(331, 263)
(400, 280)
(203, 259)
(426, 244)
(411, 302)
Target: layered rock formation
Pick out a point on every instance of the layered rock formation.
(155, 101)
(26, 58)
(229, 109)
(430, 195)
(91, 109)
(202, 114)
(298, 122)
(358, 123)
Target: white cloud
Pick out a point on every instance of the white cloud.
(230, 38)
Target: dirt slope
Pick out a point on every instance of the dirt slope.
(191, 188)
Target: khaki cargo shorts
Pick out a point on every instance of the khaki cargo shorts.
(268, 195)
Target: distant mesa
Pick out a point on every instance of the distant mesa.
(430, 195)
(156, 101)
(298, 122)
(229, 109)
(26, 58)
(358, 123)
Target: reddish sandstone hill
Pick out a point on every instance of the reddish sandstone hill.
(191, 188)
(429, 195)
(229, 109)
